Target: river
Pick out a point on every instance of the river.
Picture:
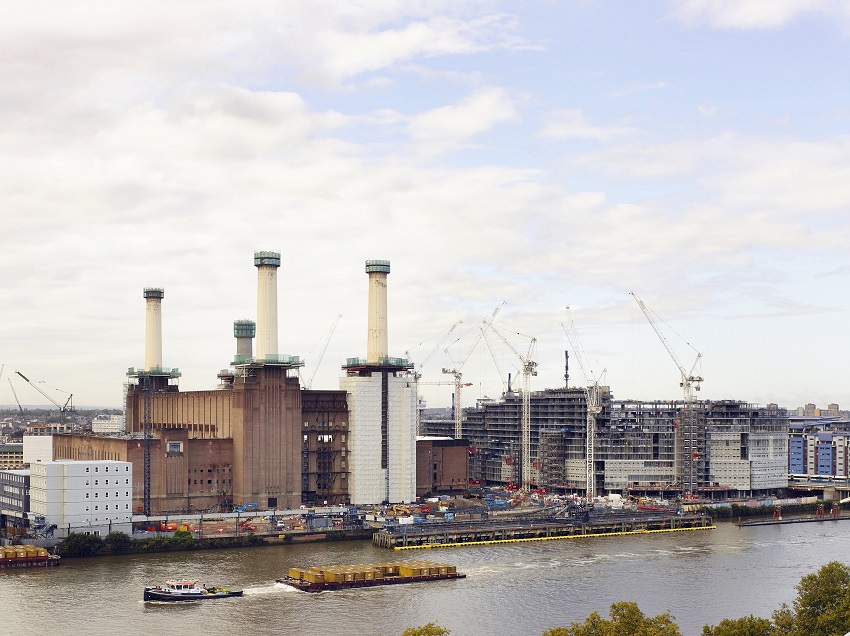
(520, 589)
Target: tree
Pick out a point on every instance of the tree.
(117, 542)
(626, 620)
(747, 626)
(431, 629)
(78, 544)
(822, 606)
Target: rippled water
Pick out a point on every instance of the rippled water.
(701, 577)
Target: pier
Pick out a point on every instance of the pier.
(406, 537)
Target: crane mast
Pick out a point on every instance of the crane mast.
(594, 406)
(688, 433)
(529, 368)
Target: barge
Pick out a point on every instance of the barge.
(27, 556)
(340, 577)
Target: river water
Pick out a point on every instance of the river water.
(519, 589)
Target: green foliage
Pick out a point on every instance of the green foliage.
(431, 629)
(80, 545)
(822, 606)
(116, 542)
(626, 620)
(747, 626)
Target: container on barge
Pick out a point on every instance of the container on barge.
(27, 556)
(337, 577)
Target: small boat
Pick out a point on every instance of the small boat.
(188, 591)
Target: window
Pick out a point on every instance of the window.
(87, 495)
(175, 447)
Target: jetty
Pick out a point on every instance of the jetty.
(446, 534)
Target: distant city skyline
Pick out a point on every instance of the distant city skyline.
(541, 154)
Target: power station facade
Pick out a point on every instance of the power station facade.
(259, 437)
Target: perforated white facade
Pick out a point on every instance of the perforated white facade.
(88, 496)
(370, 481)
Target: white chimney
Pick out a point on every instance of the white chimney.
(376, 347)
(267, 264)
(153, 328)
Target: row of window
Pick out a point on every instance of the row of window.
(115, 507)
(106, 494)
(106, 482)
(106, 469)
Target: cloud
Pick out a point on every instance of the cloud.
(454, 125)
(752, 14)
(572, 124)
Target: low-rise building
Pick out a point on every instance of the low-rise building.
(91, 497)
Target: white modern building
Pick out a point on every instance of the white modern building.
(91, 497)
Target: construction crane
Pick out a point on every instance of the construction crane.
(686, 436)
(15, 393)
(63, 408)
(457, 392)
(594, 403)
(529, 368)
(458, 375)
(443, 336)
(417, 375)
(327, 341)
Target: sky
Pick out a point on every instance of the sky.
(528, 156)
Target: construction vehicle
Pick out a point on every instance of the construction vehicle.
(248, 507)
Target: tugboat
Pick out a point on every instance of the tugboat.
(189, 591)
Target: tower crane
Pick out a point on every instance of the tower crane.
(63, 408)
(455, 371)
(417, 375)
(688, 435)
(594, 403)
(330, 333)
(15, 393)
(529, 368)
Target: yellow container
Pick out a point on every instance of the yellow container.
(314, 577)
(296, 573)
(42, 552)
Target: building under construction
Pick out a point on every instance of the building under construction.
(740, 448)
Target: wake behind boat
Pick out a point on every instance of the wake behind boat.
(189, 591)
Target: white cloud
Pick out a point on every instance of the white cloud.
(454, 125)
(572, 124)
(751, 14)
